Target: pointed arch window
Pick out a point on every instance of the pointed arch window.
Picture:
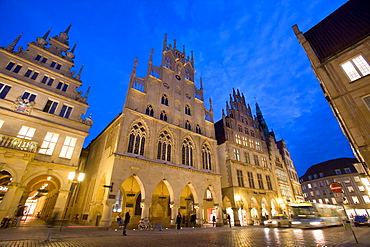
(198, 130)
(136, 143)
(187, 125)
(163, 116)
(187, 110)
(164, 100)
(187, 152)
(164, 146)
(149, 110)
(206, 157)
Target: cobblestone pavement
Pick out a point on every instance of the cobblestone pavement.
(194, 237)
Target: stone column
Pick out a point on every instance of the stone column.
(236, 216)
(219, 218)
(106, 218)
(174, 212)
(9, 203)
(145, 207)
(198, 211)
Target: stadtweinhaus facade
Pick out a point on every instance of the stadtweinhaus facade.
(42, 125)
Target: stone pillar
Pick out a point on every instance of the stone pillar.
(174, 212)
(198, 211)
(60, 204)
(236, 216)
(145, 210)
(8, 205)
(106, 218)
(219, 218)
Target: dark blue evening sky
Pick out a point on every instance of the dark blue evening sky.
(246, 45)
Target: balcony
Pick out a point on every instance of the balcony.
(18, 143)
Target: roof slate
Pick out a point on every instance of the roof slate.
(344, 27)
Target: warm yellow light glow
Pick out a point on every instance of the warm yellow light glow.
(48, 178)
(71, 175)
(237, 197)
(81, 177)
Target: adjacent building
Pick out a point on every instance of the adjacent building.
(350, 174)
(42, 125)
(339, 50)
(258, 176)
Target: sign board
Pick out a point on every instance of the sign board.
(336, 188)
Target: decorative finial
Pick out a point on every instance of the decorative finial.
(134, 68)
(87, 93)
(165, 42)
(14, 43)
(192, 58)
(183, 49)
(46, 34)
(78, 76)
(174, 44)
(74, 47)
(201, 82)
(68, 28)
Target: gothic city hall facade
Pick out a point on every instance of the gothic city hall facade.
(163, 154)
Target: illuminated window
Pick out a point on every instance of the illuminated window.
(1, 123)
(355, 200)
(26, 132)
(236, 155)
(366, 199)
(251, 143)
(256, 161)
(68, 147)
(49, 143)
(361, 188)
(247, 158)
(258, 146)
(356, 68)
(245, 141)
(309, 186)
(237, 139)
(333, 200)
(264, 161)
(350, 189)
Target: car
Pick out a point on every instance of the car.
(278, 221)
(360, 220)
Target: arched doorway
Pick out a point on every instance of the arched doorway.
(130, 197)
(209, 206)
(40, 197)
(160, 209)
(5, 179)
(186, 205)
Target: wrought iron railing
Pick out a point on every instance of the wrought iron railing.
(18, 143)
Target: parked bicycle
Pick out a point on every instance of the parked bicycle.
(145, 224)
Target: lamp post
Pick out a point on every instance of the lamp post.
(75, 178)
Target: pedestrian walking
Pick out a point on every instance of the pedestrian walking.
(19, 214)
(178, 221)
(119, 220)
(213, 220)
(229, 219)
(125, 223)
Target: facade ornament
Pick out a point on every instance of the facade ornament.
(42, 41)
(14, 43)
(23, 105)
(87, 120)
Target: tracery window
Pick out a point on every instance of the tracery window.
(163, 116)
(136, 141)
(149, 110)
(206, 157)
(187, 152)
(164, 146)
(164, 100)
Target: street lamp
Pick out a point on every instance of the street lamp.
(75, 178)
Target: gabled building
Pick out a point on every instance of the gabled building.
(349, 173)
(157, 157)
(339, 50)
(256, 182)
(42, 124)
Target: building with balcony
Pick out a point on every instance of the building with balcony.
(258, 176)
(350, 174)
(42, 125)
(339, 50)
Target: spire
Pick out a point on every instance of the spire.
(183, 50)
(233, 91)
(261, 121)
(201, 83)
(237, 91)
(174, 44)
(223, 113)
(46, 34)
(14, 43)
(192, 58)
(210, 104)
(243, 99)
(74, 47)
(165, 42)
(87, 93)
(78, 76)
